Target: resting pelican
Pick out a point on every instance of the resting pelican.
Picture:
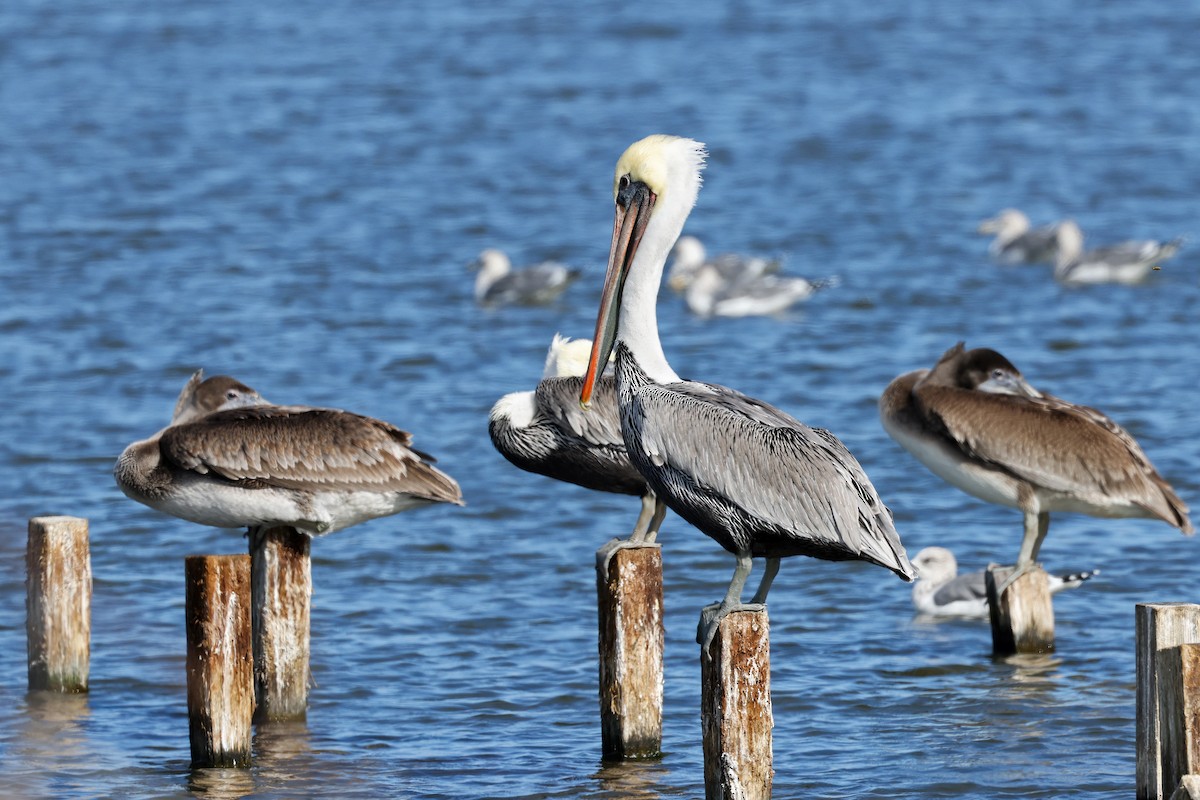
(231, 459)
(1016, 242)
(544, 431)
(1127, 262)
(941, 592)
(977, 424)
(745, 473)
(688, 256)
(498, 284)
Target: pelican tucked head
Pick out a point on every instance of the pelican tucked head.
(982, 370)
(655, 186)
(201, 397)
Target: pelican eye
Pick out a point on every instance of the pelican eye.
(623, 183)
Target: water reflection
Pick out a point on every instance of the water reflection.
(282, 748)
(225, 783)
(51, 736)
(635, 780)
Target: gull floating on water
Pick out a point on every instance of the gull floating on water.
(1127, 262)
(759, 482)
(546, 432)
(941, 592)
(231, 459)
(499, 284)
(689, 257)
(710, 295)
(977, 424)
(1016, 242)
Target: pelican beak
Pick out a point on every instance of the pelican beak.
(635, 202)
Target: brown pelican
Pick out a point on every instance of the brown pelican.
(745, 473)
(977, 424)
(941, 592)
(1127, 262)
(498, 284)
(1016, 242)
(544, 431)
(231, 459)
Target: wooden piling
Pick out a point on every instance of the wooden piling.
(1167, 679)
(58, 604)
(1023, 616)
(220, 677)
(630, 603)
(736, 709)
(281, 593)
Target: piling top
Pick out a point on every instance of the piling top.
(56, 519)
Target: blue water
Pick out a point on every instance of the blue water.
(289, 192)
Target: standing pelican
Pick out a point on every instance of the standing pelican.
(977, 424)
(941, 592)
(753, 478)
(1016, 242)
(498, 284)
(231, 459)
(544, 431)
(1127, 262)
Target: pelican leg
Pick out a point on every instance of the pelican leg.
(711, 615)
(643, 534)
(1037, 525)
(660, 511)
(643, 521)
(764, 586)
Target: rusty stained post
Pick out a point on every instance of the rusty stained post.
(220, 677)
(58, 604)
(281, 594)
(1023, 616)
(735, 711)
(630, 603)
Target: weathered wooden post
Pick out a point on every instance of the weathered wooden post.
(1022, 615)
(1168, 682)
(281, 593)
(630, 602)
(735, 708)
(220, 676)
(58, 604)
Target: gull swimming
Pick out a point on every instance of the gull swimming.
(1016, 241)
(1127, 262)
(979, 425)
(711, 295)
(688, 256)
(941, 592)
(546, 432)
(499, 284)
(748, 475)
(231, 459)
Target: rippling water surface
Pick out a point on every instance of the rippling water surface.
(290, 191)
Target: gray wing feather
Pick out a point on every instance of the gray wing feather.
(601, 424)
(972, 586)
(770, 464)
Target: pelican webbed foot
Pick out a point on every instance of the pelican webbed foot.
(1020, 571)
(609, 549)
(710, 621)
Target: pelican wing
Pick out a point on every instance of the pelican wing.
(1051, 443)
(769, 464)
(312, 449)
(600, 425)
